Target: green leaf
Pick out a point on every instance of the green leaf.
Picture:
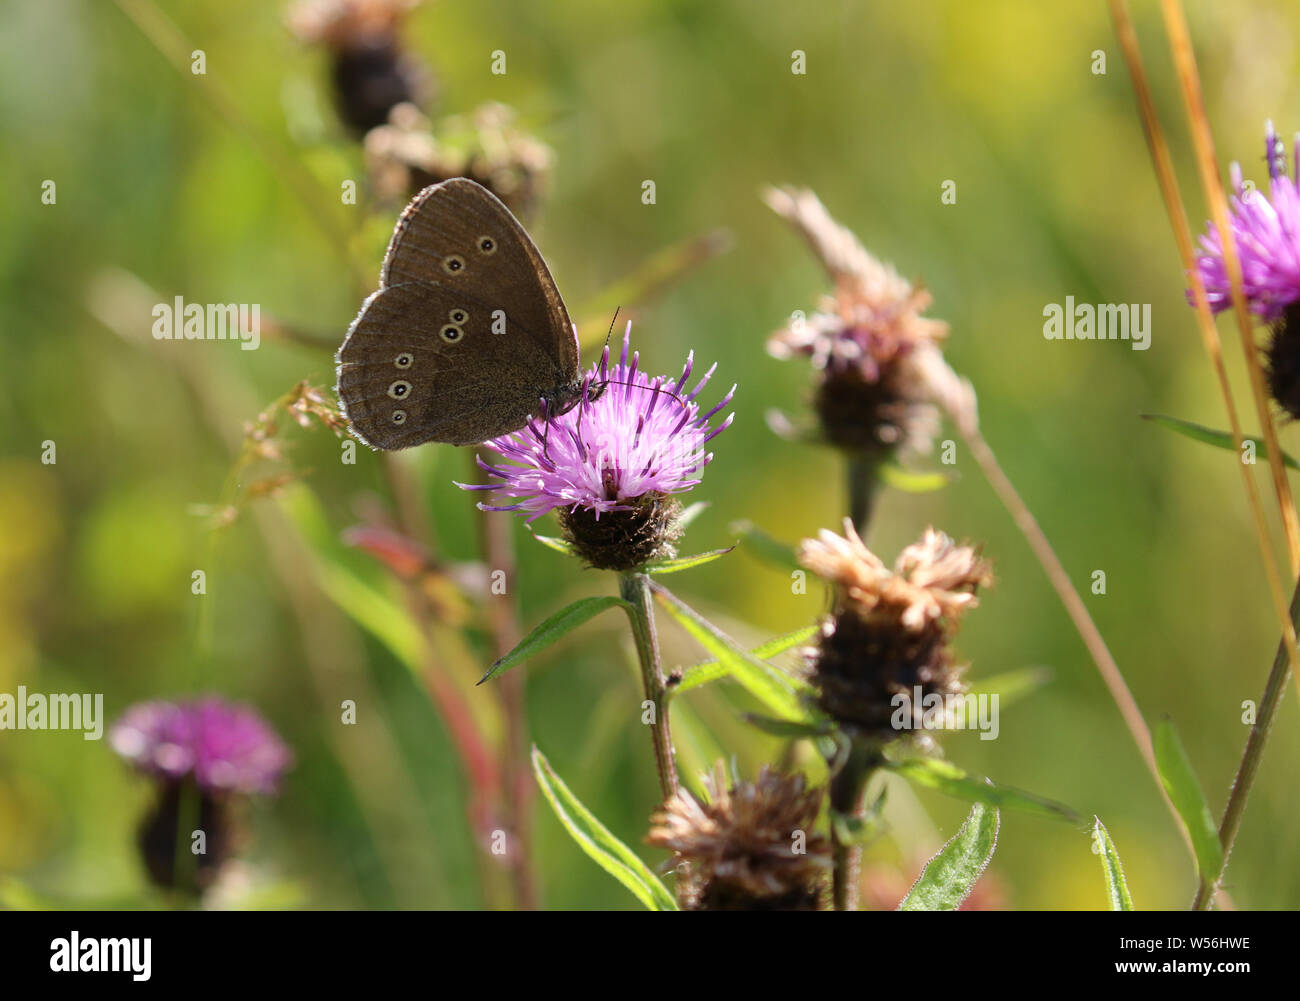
(595, 839)
(909, 481)
(947, 778)
(559, 545)
(684, 562)
(778, 691)
(786, 641)
(368, 606)
(1012, 686)
(374, 611)
(1185, 793)
(713, 670)
(565, 620)
(763, 545)
(788, 728)
(949, 877)
(1116, 886)
(1219, 439)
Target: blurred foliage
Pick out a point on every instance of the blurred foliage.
(1055, 197)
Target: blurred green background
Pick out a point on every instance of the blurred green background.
(1055, 197)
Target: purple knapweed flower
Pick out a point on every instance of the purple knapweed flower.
(611, 465)
(222, 747)
(1266, 229)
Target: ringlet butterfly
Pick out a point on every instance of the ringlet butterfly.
(466, 338)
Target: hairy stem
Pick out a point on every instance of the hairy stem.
(848, 790)
(635, 589)
(862, 485)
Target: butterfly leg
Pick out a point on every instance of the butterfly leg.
(546, 430)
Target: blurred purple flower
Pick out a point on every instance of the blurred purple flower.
(1267, 234)
(630, 436)
(225, 747)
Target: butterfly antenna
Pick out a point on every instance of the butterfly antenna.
(610, 333)
(619, 382)
(657, 389)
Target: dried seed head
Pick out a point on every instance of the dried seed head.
(874, 351)
(890, 629)
(370, 71)
(403, 156)
(933, 579)
(751, 847)
(339, 24)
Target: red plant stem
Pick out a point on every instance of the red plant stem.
(480, 762)
(497, 546)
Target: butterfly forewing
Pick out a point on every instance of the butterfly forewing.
(466, 333)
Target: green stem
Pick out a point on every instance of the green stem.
(635, 590)
(1250, 759)
(862, 483)
(848, 791)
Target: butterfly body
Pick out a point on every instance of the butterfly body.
(466, 338)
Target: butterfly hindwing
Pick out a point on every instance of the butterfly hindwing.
(410, 373)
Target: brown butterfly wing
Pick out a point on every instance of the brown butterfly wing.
(402, 383)
(466, 333)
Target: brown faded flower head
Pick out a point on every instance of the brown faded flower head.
(403, 156)
(889, 633)
(875, 351)
(932, 579)
(370, 70)
(752, 846)
(340, 24)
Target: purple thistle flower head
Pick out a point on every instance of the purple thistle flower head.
(1266, 230)
(630, 435)
(224, 747)
(611, 464)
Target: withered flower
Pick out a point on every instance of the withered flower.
(888, 634)
(751, 847)
(875, 354)
(370, 71)
(403, 156)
